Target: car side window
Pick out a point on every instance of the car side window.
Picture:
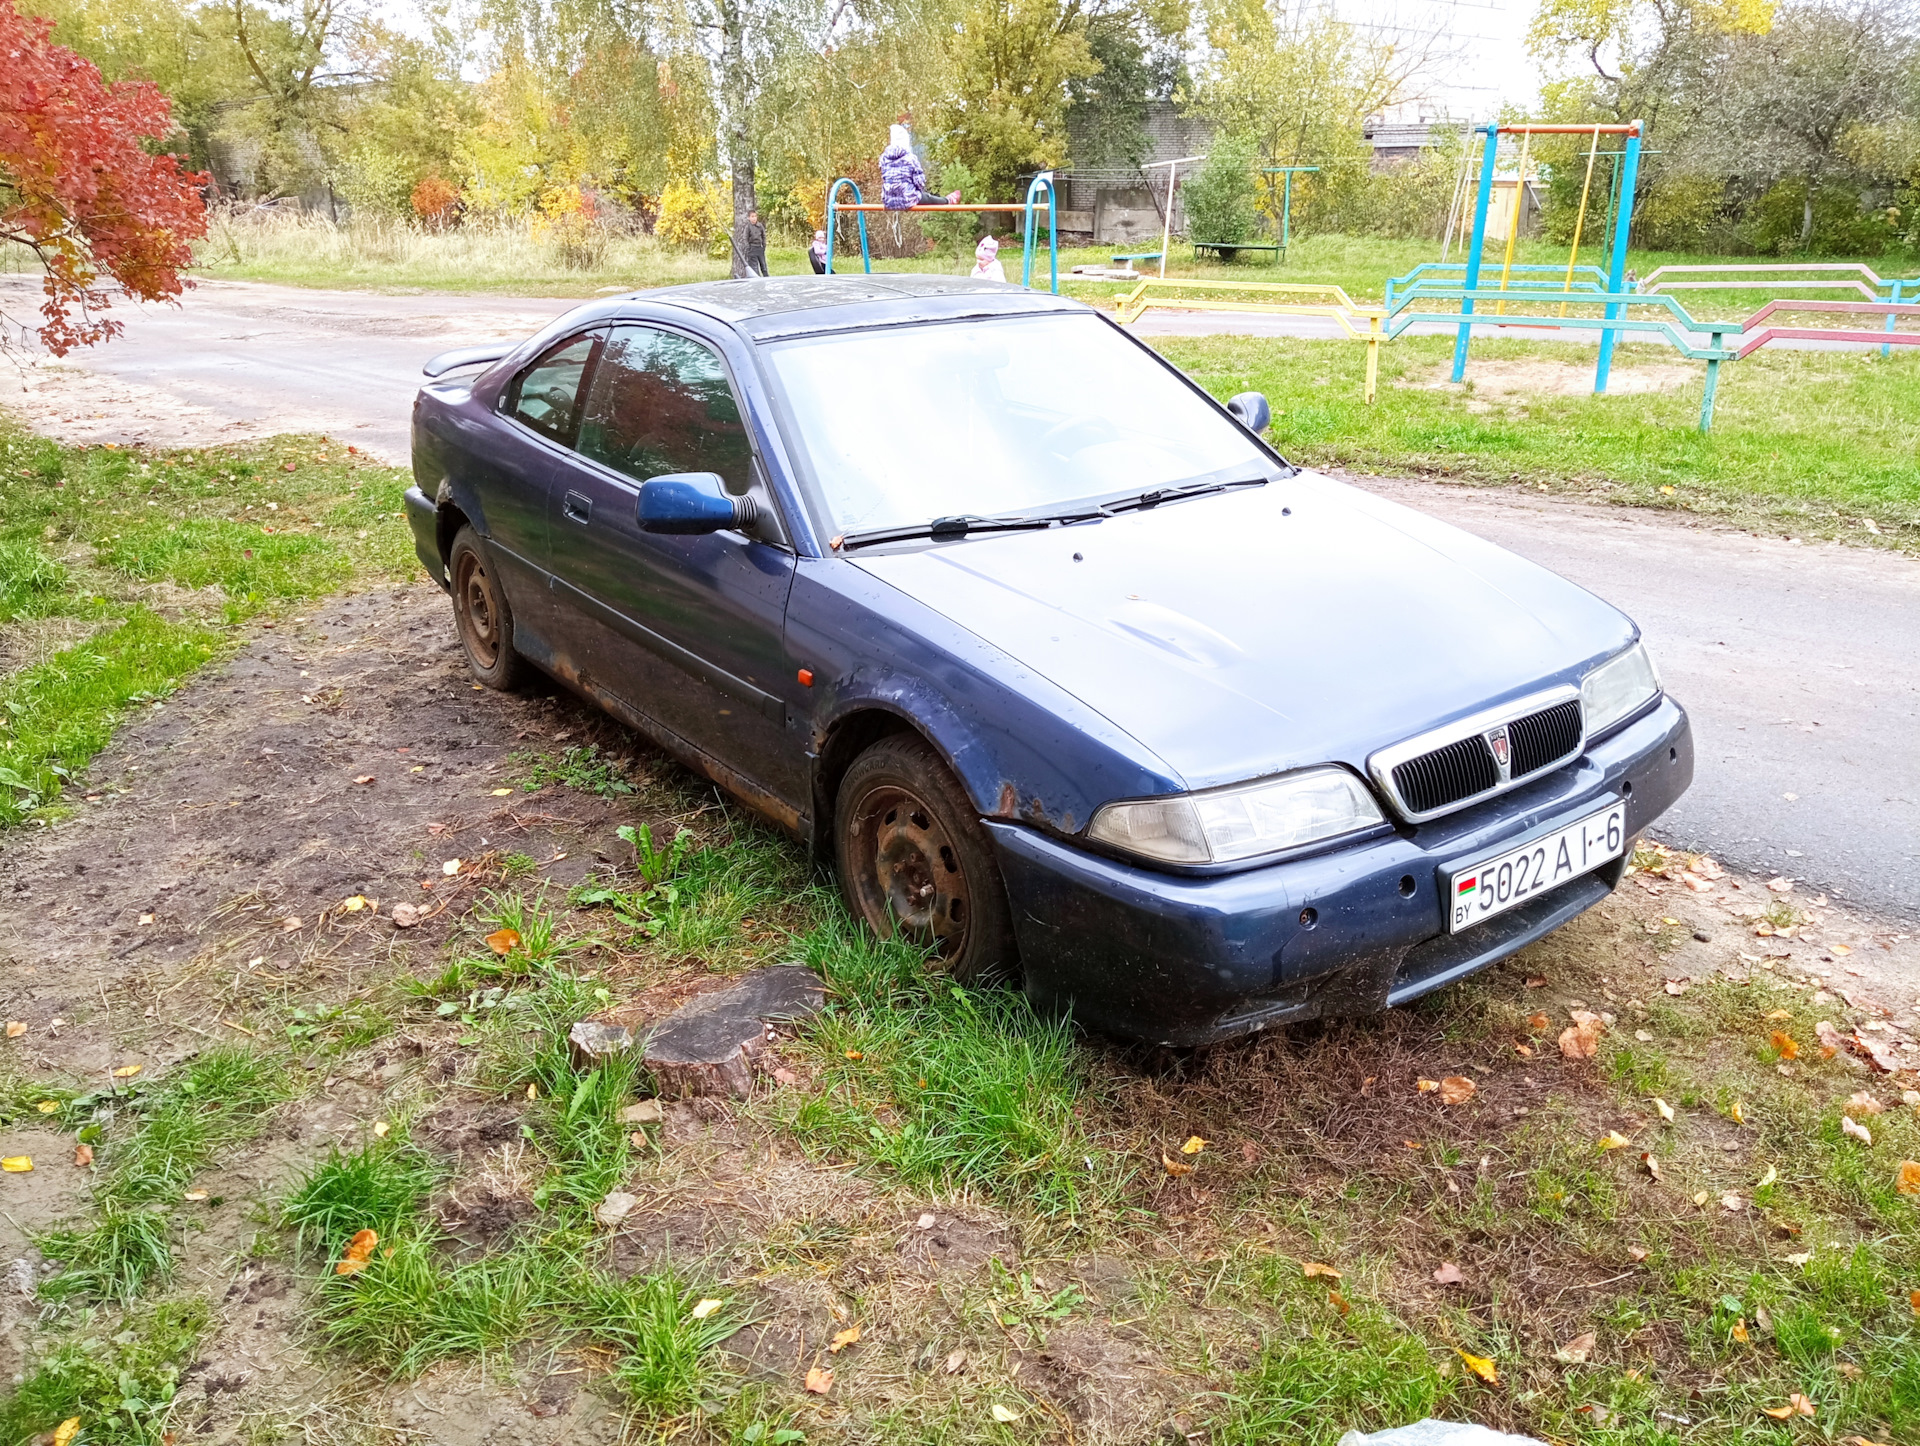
(546, 396)
(660, 402)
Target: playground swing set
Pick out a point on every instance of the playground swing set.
(1031, 210)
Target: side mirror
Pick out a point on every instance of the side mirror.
(688, 504)
(1251, 411)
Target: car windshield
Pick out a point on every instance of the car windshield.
(1017, 415)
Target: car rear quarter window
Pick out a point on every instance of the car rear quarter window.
(660, 402)
(546, 396)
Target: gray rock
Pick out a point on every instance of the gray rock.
(1438, 1433)
(593, 1041)
(708, 1045)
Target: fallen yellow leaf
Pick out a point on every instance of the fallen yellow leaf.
(450, 867)
(1614, 1140)
(1005, 1414)
(16, 1028)
(705, 1309)
(1538, 1021)
(1426, 1086)
(855, 1054)
(1907, 1182)
(66, 1431)
(354, 904)
(1652, 1164)
(819, 1380)
(1665, 1110)
(1738, 1114)
(194, 1195)
(1576, 1351)
(47, 1107)
(1773, 1173)
(359, 1251)
(844, 1339)
(1801, 1405)
(1339, 1302)
(1481, 1366)
(126, 1071)
(500, 792)
(1312, 1268)
(17, 1164)
(83, 1155)
(1194, 1145)
(1740, 1330)
(1784, 1045)
(1174, 1167)
(1777, 1014)
(503, 941)
(1779, 1413)
(1456, 1089)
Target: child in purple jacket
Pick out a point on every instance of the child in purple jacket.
(903, 180)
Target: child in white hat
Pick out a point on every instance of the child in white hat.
(986, 261)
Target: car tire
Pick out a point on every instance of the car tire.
(913, 859)
(481, 611)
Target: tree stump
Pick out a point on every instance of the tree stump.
(708, 1045)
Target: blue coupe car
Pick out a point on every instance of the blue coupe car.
(1073, 678)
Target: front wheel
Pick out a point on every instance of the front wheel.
(480, 609)
(914, 860)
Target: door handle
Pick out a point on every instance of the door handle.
(577, 507)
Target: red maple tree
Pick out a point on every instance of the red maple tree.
(79, 187)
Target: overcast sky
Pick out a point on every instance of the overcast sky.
(1487, 39)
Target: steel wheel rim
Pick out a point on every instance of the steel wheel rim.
(477, 610)
(907, 870)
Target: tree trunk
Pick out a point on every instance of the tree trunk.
(1806, 216)
(735, 91)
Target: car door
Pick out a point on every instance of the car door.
(695, 623)
(540, 414)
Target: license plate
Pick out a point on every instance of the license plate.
(1508, 880)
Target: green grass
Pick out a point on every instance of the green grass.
(943, 1088)
(307, 250)
(121, 1386)
(379, 1187)
(1362, 1371)
(579, 767)
(149, 1146)
(1809, 441)
(154, 559)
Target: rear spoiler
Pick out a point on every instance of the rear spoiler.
(465, 356)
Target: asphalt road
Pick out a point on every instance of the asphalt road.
(1800, 662)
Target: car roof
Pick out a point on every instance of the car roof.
(767, 307)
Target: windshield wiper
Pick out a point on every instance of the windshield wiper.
(1145, 500)
(944, 529)
(950, 529)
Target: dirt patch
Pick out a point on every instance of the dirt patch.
(1115, 1389)
(344, 753)
(1490, 379)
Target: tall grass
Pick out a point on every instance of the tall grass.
(948, 1088)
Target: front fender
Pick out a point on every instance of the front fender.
(1021, 747)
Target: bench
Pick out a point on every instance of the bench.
(1121, 258)
(1227, 250)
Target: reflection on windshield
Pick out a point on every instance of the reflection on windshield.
(985, 418)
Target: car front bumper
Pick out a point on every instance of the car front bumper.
(1186, 959)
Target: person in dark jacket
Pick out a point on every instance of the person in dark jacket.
(756, 256)
(903, 180)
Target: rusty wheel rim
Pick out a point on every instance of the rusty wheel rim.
(479, 612)
(908, 870)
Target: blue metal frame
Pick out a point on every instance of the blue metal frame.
(833, 202)
(1615, 293)
(1045, 178)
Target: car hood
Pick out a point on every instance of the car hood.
(1249, 632)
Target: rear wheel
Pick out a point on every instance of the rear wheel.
(480, 608)
(914, 860)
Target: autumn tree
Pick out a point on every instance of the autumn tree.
(80, 188)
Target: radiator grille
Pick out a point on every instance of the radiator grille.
(1545, 737)
(1465, 769)
(1446, 775)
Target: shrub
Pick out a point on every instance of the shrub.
(436, 202)
(1220, 198)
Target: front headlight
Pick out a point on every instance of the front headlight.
(1618, 687)
(1241, 822)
